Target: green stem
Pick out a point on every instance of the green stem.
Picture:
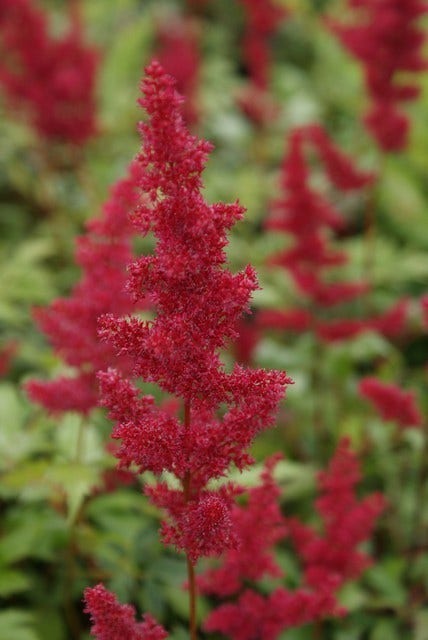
(190, 566)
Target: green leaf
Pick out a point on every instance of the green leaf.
(12, 582)
(75, 480)
(15, 624)
(385, 630)
(421, 625)
(353, 597)
(50, 624)
(385, 579)
(27, 480)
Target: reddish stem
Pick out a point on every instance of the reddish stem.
(369, 242)
(190, 567)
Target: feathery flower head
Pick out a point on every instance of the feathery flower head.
(198, 304)
(334, 557)
(308, 217)
(114, 621)
(53, 80)
(262, 19)
(71, 323)
(389, 44)
(391, 402)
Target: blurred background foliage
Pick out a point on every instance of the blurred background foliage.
(62, 528)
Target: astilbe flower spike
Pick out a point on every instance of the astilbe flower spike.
(386, 39)
(307, 217)
(391, 402)
(198, 303)
(51, 79)
(114, 621)
(333, 557)
(309, 220)
(71, 323)
(328, 560)
(262, 20)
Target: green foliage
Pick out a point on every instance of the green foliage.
(61, 529)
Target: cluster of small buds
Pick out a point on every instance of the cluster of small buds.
(52, 79)
(328, 560)
(262, 20)
(71, 323)
(388, 42)
(391, 402)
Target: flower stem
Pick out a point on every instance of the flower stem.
(190, 567)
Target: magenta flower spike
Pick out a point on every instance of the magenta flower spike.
(387, 40)
(114, 621)
(197, 304)
(391, 402)
(51, 79)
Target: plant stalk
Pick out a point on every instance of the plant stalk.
(190, 567)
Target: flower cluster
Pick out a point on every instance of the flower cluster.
(71, 323)
(391, 402)
(309, 220)
(197, 303)
(388, 42)
(112, 620)
(262, 20)
(334, 558)
(53, 79)
(306, 216)
(328, 560)
(259, 525)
